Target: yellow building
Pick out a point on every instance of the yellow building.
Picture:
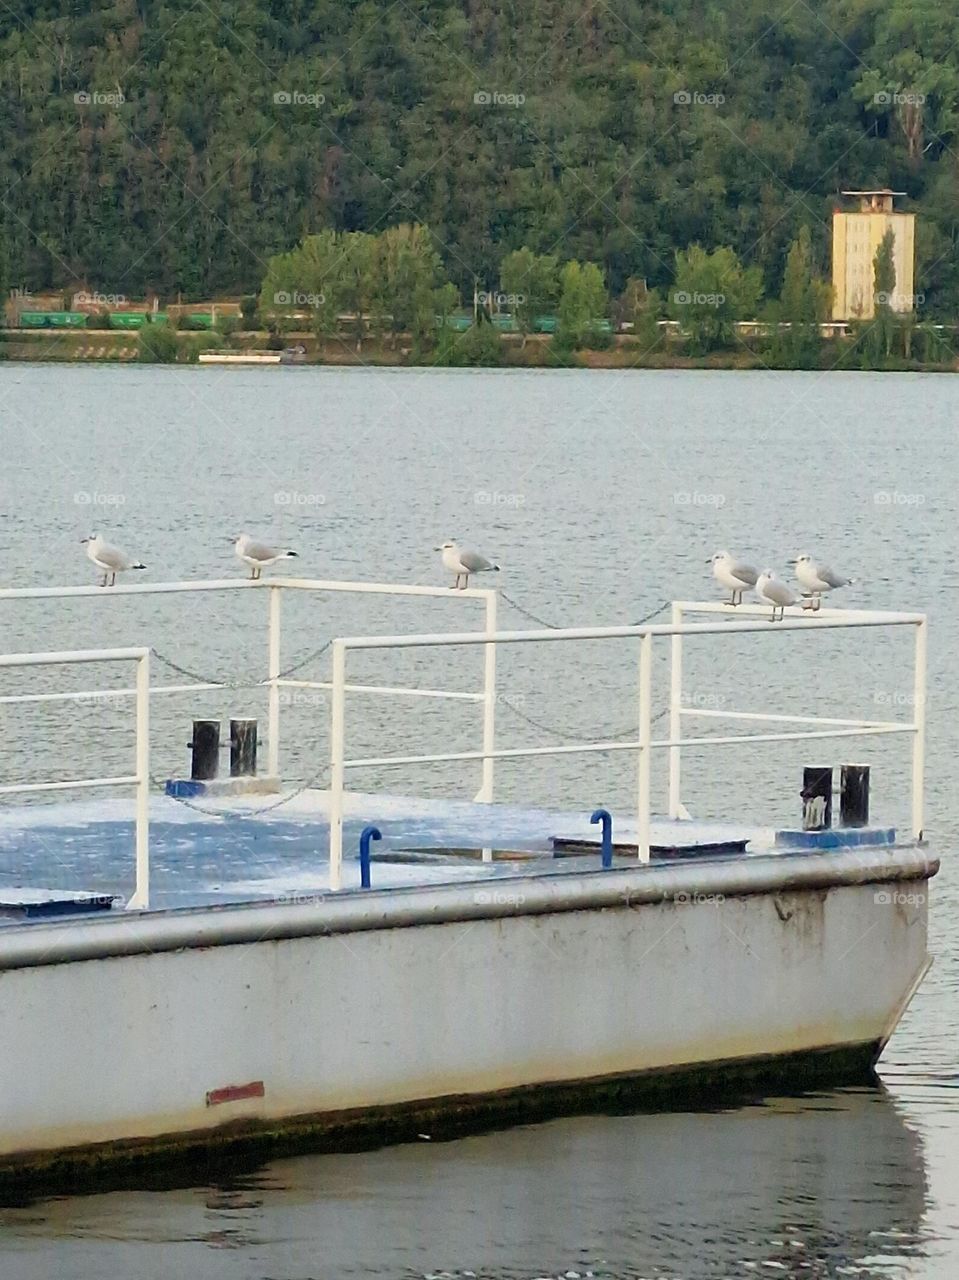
(855, 238)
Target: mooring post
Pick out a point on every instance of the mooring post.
(816, 798)
(366, 835)
(242, 748)
(605, 817)
(205, 745)
(854, 795)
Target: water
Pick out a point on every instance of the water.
(601, 495)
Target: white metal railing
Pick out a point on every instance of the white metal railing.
(140, 778)
(795, 619)
(274, 682)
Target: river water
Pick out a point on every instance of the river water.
(601, 495)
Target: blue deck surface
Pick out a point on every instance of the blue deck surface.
(247, 855)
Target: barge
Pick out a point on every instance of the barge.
(460, 974)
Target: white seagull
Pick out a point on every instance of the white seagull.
(463, 563)
(733, 575)
(816, 579)
(108, 559)
(772, 590)
(257, 554)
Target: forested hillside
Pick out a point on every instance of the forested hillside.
(177, 145)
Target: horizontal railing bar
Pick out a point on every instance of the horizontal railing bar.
(585, 748)
(95, 695)
(242, 584)
(793, 621)
(783, 719)
(403, 690)
(757, 610)
(81, 784)
(68, 657)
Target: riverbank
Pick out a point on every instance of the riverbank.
(625, 351)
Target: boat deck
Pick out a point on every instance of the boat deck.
(245, 852)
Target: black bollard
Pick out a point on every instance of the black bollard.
(242, 748)
(854, 795)
(816, 799)
(205, 746)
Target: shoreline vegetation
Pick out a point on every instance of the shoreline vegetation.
(355, 298)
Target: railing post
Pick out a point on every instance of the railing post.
(919, 732)
(141, 895)
(273, 674)
(675, 807)
(337, 755)
(485, 793)
(645, 737)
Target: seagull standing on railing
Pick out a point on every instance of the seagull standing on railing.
(772, 590)
(816, 579)
(258, 555)
(110, 560)
(733, 575)
(463, 563)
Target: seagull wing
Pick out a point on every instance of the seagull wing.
(745, 573)
(260, 551)
(473, 562)
(113, 557)
(779, 592)
(834, 579)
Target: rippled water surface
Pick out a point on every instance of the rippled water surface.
(601, 495)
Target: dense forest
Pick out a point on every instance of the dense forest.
(176, 146)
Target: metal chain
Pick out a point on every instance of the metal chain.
(631, 732)
(552, 626)
(239, 684)
(243, 813)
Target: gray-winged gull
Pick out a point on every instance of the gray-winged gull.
(733, 575)
(109, 559)
(816, 579)
(463, 563)
(772, 590)
(258, 555)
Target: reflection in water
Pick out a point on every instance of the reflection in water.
(794, 1187)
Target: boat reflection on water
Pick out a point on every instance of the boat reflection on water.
(795, 1187)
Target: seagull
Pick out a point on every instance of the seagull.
(772, 590)
(815, 579)
(111, 560)
(732, 575)
(463, 563)
(257, 554)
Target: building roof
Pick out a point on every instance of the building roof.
(877, 191)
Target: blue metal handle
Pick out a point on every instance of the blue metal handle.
(604, 816)
(366, 835)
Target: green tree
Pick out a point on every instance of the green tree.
(582, 306)
(156, 343)
(804, 305)
(711, 292)
(531, 284)
(883, 328)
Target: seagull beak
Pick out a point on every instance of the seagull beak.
(710, 560)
